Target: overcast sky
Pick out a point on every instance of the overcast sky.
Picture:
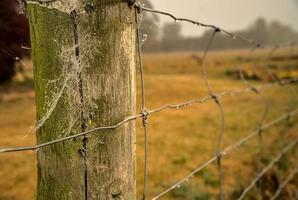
(230, 14)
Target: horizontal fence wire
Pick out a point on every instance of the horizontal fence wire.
(225, 152)
(216, 98)
(153, 111)
(255, 45)
(269, 166)
(284, 184)
(234, 36)
(265, 112)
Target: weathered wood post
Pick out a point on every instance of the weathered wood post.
(84, 68)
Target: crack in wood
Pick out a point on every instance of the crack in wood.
(84, 150)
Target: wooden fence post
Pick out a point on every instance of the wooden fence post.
(84, 67)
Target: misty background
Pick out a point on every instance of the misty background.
(232, 15)
(269, 22)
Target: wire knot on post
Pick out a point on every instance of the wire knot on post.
(260, 131)
(145, 115)
(138, 6)
(215, 98)
(218, 156)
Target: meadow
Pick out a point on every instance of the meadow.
(182, 139)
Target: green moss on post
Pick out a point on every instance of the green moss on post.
(84, 68)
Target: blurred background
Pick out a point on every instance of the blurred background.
(172, 75)
(268, 22)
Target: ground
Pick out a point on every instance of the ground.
(180, 140)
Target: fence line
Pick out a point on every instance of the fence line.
(269, 166)
(222, 116)
(292, 95)
(225, 152)
(140, 8)
(264, 114)
(284, 184)
(153, 111)
(216, 98)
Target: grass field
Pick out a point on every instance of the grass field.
(179, 139)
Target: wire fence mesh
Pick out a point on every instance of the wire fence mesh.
(216, 98)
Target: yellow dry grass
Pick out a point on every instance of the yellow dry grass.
(179, 140)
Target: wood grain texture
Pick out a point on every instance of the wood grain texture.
(100, 91)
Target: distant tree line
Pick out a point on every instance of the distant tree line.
(14, 33)
(267, 33)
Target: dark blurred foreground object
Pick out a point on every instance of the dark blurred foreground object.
(14, 33)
